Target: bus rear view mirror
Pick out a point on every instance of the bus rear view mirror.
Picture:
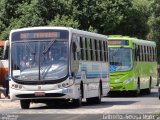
(74, 47)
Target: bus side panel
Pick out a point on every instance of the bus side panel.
(145, 71)
(91, 73)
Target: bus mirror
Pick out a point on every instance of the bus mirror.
(74, 47)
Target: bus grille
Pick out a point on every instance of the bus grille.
(46, 95)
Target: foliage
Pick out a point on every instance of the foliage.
(126, 17)
(135, 21)
(64, 21)
(154, 23)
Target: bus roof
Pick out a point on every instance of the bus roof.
(59, 28)
(132, 39)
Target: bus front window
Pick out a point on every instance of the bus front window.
(40, 61)
(53, 62)
(120, 59)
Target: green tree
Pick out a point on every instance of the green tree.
(64, 21)
(126, 17)
(154, 23)
(135, 20)
(27, 13)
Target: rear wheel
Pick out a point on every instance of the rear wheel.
(138, 89)
(150, 85)
(95, 100)
(25, 104)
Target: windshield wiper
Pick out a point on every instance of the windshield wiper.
(45, 70)
(49, 46)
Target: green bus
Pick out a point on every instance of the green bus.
(133, 64)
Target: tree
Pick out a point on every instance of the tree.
(126, 17)
(135, 20)
(154, 23)
(101, 15)
(64, 21)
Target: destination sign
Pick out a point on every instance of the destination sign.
(39, 35)
(118, 42)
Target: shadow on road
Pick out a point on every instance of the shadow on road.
(85, 105)
(123, 94)
(104, 103)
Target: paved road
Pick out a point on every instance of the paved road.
(121, 104)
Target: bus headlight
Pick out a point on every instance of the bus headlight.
(67, 84)
(128, 80)
(16, 86)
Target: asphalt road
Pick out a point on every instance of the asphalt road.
(117, 104)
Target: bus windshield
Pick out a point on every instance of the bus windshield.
(120, 59)
(40, 60)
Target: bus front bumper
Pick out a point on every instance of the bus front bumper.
(121, 87)
(65, 93)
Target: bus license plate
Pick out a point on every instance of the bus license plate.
(39, 93)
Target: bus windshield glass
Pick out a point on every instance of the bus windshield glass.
(40, 60)
(120, 59)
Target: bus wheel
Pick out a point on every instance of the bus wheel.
(98, 99)
(95, 100)
(25, 104)
(150, 85)
(78, 102)
(138, 90)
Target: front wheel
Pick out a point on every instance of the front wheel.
(150, 86)
(137, 91)
(78, 102)
(25, 104)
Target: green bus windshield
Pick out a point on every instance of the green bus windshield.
(120, 59)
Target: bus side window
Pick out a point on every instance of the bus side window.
(86, 48)
(96, 51)
(107, 51)
(155, 53)
(100, 49)
(135, 52)
(81, 47)
(91, 50)
(104, 48)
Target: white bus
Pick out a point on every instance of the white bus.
(53, 63)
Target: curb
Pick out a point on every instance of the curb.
(5, 99)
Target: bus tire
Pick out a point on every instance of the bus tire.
(138, 90)
(25, 104)
(150, 85)
(95, 100)
(78, 102)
